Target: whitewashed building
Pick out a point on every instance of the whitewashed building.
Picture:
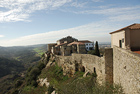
(88, 44)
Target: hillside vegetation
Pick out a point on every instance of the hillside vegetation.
(14, 61)
(25, 54)
(10, 67)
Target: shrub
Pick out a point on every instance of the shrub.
(34, 73)
(15, 92)
(41, 66)
(50, 89)
(34, 83)
(18, 83)
(32, 76)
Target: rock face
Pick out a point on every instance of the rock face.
(102, 66)
(85, 75)
(82, 62)
(43, 82)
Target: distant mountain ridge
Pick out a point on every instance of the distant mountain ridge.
(16, 51)
(14, 58)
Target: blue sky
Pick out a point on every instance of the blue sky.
(28, 22)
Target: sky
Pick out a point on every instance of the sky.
(29, 22)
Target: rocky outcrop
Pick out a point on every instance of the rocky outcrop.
(43, 82)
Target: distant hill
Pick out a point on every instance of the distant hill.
(8, 66)
(17, 58)
(25, 54)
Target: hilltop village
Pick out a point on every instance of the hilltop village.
(68, 45)
(120, 64)
(68, 68)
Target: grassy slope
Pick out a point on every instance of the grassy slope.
(40, 50)
(74, 85)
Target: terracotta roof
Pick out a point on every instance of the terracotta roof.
(75, 43)
(133, 26)
(138, 52)
(85, 41)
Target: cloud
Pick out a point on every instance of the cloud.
(125, 17)
(79, 4)
(97, 0)
(94, 31)
(1, 36)
(115, 13)
(20, 10)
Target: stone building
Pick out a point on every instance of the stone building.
(68, 45)
(78, 47)
(89, 45)
(127, 37)
(67, 39)
(50, 46)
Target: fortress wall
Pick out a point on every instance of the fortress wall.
(108, 56)
(126, 70)
(91, 63)
(66, 63)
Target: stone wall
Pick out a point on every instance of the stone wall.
(119, 66)
(83, 62)
(50, 46)
(108, 56)
(126, 70)
(81, 49)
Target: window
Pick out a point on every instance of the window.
(123, 40)
(90, 48)
(120, 43)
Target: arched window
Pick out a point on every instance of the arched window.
(83, 69)
(76, 67)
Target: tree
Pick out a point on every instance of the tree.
(96, 51)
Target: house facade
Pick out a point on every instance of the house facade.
(127, 37)
(68, 45)
(88, 44)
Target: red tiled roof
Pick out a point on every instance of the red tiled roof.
(75, 43)
(138, 52)
(133, 26)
